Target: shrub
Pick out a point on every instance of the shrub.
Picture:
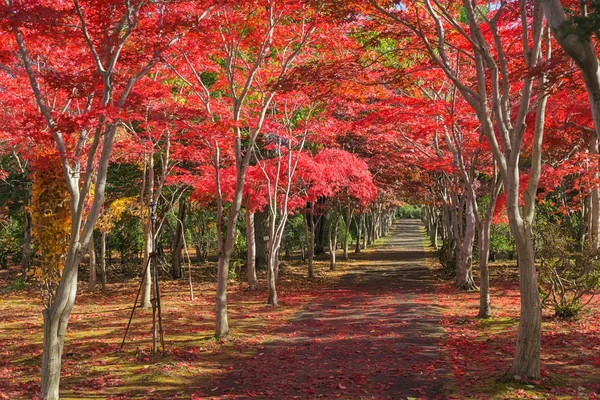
(567, 273)
(410, 212)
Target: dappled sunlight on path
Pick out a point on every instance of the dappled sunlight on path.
(374, 335)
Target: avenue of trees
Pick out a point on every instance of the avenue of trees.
(246, 131)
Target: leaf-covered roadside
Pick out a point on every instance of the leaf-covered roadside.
(93, 366)
(481, 349)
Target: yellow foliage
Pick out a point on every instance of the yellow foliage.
(50, 224)
(115, 211)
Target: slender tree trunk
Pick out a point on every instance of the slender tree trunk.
(464, 267)
(310, 227)
(92, 258)
(365, 230)
(178, 241)
(333, 236)
(272, 278)
(261, 231)
(26, 254)
(251, 250)
(359, 228)
(347, 224)
(369, 226)
(485, 309)
(147, 289)
(149, 189)
(103, 259)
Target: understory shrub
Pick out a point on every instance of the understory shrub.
(569, 273)
(410, 212)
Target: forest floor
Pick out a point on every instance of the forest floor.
(378, 327)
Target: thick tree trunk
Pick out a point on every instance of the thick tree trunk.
(222, 322)
(56, 317)
(92, 265)
(103, 260)
(526, 363)
(485, 309)
(178, 241)
(26, 253)
(251, 250)
(433, 230)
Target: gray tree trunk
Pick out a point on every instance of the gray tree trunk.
(92, 258)
(176, 258)
(251, 250)
(359, 231)
(333, 237)
(103, 260)
(26, 253)
(485, 308)
(261, 231)
(347, 224)
(464, 266)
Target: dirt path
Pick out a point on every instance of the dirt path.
(374, 336)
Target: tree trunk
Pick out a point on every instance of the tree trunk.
(251, 250)
(222, 322)
(464, 267)
(145, 301)
(103, 260)
(92, 258)
(359, 227)
(261, 231)
(309, 229)
(526, 363)
(347, 224)
(26, 254)
(369, 228)
(272, 278)
(365, 230)
(178, 241)
(333, 237)
(56, 318)
(147, 289)
(433, 233)
(485, 309)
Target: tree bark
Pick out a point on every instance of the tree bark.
(359, 228)
(526, 363)
(251, 250)
(333, 237)
(26, 253)
(365, 229)
(178, 241)
(464, 266)
(147, 228)
(261, 230)
(92, 265)
(347, 225)
(485, 308)
(103, 260)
